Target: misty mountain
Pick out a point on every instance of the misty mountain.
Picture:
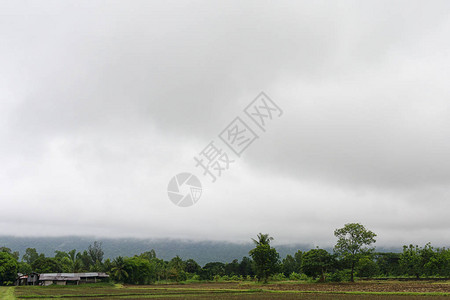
(202, 252)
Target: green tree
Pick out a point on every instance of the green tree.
(75, 263)
(232, 268)
(160, 268)
(149, 255)
(317, 262)
(263, 239)
(30, 255)
(410, 261)
(95, 253)
(417, 261)
(212, 269)
(140, 270)
(64, 260)
(192, 266)
(46, 265)
(15, 254)
(85, 260)
(107, 266)
(8, 268)
(119, 269)
(443, 260)
(353, 242)
(292, 264)
(430, 260)
(289, 265)
(366, 267)
(177, 269)
(24, 268)
(388, 263)
(246, 267)
(266, 258)
(61, 254)
(298, 256)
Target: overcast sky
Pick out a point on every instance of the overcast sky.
(103, 102)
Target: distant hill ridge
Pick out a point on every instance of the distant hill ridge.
(202, 252)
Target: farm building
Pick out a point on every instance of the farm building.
(27, 279)
(60, 278)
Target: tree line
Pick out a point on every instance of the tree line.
(353, 256)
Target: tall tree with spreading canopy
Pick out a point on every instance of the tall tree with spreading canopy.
(353, 242)
(265, 257)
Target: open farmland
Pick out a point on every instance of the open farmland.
(230, 290)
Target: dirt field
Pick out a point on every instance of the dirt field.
(366, 286)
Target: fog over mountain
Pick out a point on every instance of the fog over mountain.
(202, 252)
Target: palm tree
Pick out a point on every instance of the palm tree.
(74, 263)
(118, 269)
(263, 239)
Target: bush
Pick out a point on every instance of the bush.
(294, 276)
(339, 276)
(278, 277)
(183, 276)
(194, 277)
(236, 278)
(304, 277)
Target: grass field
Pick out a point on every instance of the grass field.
(234, 290)
(7, 293)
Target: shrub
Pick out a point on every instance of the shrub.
(339, 276)
(194, 277)
(294, 276)
(278, 277)
(304, 277)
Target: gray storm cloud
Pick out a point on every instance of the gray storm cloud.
(102, 102)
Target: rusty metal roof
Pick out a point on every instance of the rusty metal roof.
(70, 275)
